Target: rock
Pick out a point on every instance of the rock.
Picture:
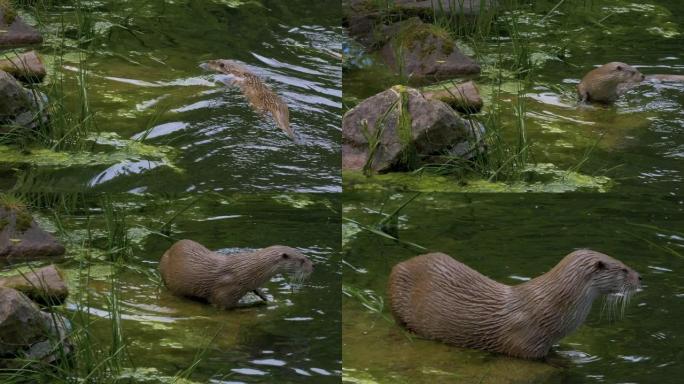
(463, 97)
(45, 285)
(26, 332)
(21, 323)
(21, 238)
(26, 66)
(378, 127)
(424, 51)
(16, 33)
(19, 106)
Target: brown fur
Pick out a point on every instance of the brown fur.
(191, 270)
(260, 96)
(607, 82)
(440, 298)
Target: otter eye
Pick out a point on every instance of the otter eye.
(222, 65)
(284, 255)
(618, 68)
(600, 265)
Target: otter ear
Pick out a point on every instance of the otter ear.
(600, 265)
(619, 68)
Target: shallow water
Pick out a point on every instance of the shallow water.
(144, 83)
(637, 143)
(293, 339)
(512, 238)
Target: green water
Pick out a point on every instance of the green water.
(143, 80)
(511, 238)
(293, 339)
(637, 143)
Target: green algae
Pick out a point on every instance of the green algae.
(114, 150)
(539, 178)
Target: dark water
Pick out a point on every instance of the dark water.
(511, 238)
(637, 143)
(293, 339)
(144, 83)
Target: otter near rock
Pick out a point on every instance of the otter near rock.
(259, 95)
(190, 270)
(440, 298)
(607, 82)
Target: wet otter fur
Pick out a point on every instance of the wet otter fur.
(189, 269)
(607, 82)
(259, 95)
(440, 298)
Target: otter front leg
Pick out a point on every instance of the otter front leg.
(225, 294)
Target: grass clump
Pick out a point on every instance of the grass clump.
(9, 14)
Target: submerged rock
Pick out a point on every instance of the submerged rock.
(45, 285)
(21, 238)
(26, 66)
(28, 333)
(14, 32)
(463, 97)
(399, 128)
(419, 51)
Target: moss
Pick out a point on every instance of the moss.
(8, 11)
(12, 204)
(413, 32)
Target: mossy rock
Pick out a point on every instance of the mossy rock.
(20, 236)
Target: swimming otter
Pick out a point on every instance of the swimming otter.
(191, 270)
(440, 298)
(260, 96)
(607, 82)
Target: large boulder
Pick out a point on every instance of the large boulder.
(19, 106)
(14, 32)
(22, 239)
(399, 128)
(45, 285)
(28, 333)
(424, 52)
(27, 66)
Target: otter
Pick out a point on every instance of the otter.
(607, 82)
(190, 270)
(442, 299)
(259, 95)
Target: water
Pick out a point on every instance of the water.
(293, 339)
(637, 143)
(144, 80)
(511, 238)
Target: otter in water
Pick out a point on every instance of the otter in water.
(260, 96)
(440, 298)
(189, 269)
(607, 82)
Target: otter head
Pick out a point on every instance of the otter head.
(230, 67)
(289, 261)
(623, 73)
(607, 275)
